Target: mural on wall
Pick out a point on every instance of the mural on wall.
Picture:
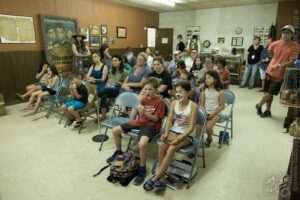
(57, 37)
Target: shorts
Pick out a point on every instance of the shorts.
(75, 103)
(149, 131)
(40, 85)
(189, 138)
(262, 74)
(49, 90)
(272, 87)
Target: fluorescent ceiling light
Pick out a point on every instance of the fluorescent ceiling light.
(165, 2)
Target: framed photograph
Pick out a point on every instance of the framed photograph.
(16, 29)
(221, 40)
(85, 32)
(121, 32)
(94, 30)
(237, 41)
(190, 31)
(111, 40)
(104, 40)
(103, 29)
(94, 40)
(57, 37)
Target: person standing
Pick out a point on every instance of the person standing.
(264, 62)
(81, 52)
(253, 59)
(283, 52)
(180, 46)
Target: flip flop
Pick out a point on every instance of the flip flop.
(70, 122)
(78, 124)
(160, 185)
(149, 185)
(29, 114)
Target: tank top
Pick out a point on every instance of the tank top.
(212, 100)
(97, 74)
(181, 118)
(55, 87)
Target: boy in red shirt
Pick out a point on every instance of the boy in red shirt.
(224, 72)
(151, 111)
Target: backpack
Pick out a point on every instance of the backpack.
(122, 169)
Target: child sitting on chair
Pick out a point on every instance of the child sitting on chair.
(151, 111)
(212, 99)
(79, 95)
(180, 124)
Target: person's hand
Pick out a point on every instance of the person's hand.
(45, 68)
(110, 81)
(141, 110)
(163, 137)
(175, 142)
(275, 67)
(74, 85)
(128, 89)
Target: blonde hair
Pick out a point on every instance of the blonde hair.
(144, 55)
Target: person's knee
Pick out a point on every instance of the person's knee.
(143, 144)
(63, 108)
(172, 149)
(71, 109)
(116, 131)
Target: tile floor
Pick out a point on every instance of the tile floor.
(42, 160)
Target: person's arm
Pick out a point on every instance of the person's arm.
(88, 52)
(162, 88)
(202, 101)
(139, 84)
(192, 124)
(104, 73)
(89, 74)
(221, 105)
(170, 118)
(76, 53)
(39, 75)
(125, 82)
(53, 82)
(75, 92)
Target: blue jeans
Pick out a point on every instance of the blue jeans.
(251, 70)
(107, 92)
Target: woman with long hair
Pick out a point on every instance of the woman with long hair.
(81, 52)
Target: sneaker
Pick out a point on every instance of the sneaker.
(141, 174)
(266, 114)
(258, 109)
(110, 159)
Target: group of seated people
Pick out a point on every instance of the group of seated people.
(178, 87)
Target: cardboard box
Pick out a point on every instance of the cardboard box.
(2, 105)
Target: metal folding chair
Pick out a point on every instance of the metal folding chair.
(62, 95)
(193, 148)
(127, 99)
(226, 117)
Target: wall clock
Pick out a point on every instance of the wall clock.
(206, 43)
(238, 30)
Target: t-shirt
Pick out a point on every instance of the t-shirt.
(254, 54)
(82, 90)
(155, 106)
(180, 46)
(118, 75)
(225, 77)
(196, 73)
(164, 79)
(132, 78)
(282, 53)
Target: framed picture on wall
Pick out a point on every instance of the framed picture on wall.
(16, 29)
(190, 31)
(57, 37)
(94, 30)
(221, 40)
(85, 32)
(121, 32)
(103, 29)
(237, 41)
(94, 40)
(103, 40)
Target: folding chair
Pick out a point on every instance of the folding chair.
(193, 148)
(127, 99)
(62, 95)
(227, 117)
(134, 133)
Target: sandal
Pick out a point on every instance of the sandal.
(70, 122)
(207, 142)
(160, 185)
(149, 185)
(78, 124)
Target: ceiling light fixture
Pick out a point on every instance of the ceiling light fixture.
(165, 2)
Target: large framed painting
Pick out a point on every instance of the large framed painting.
(57, 36)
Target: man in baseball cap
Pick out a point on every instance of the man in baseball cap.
(289, 28)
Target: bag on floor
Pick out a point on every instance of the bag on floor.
(294, 129)
(122, 169)
(225, 136)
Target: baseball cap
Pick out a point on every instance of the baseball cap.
(288, 27)
(176, 52)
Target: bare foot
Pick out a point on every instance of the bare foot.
(20, 96)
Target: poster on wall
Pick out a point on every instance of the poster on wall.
(190, 31)
(85, 32)
(57, 36)
(16, 29)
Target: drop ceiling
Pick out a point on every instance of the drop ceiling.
(182, 5)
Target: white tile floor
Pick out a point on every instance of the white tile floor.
(42, 160)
